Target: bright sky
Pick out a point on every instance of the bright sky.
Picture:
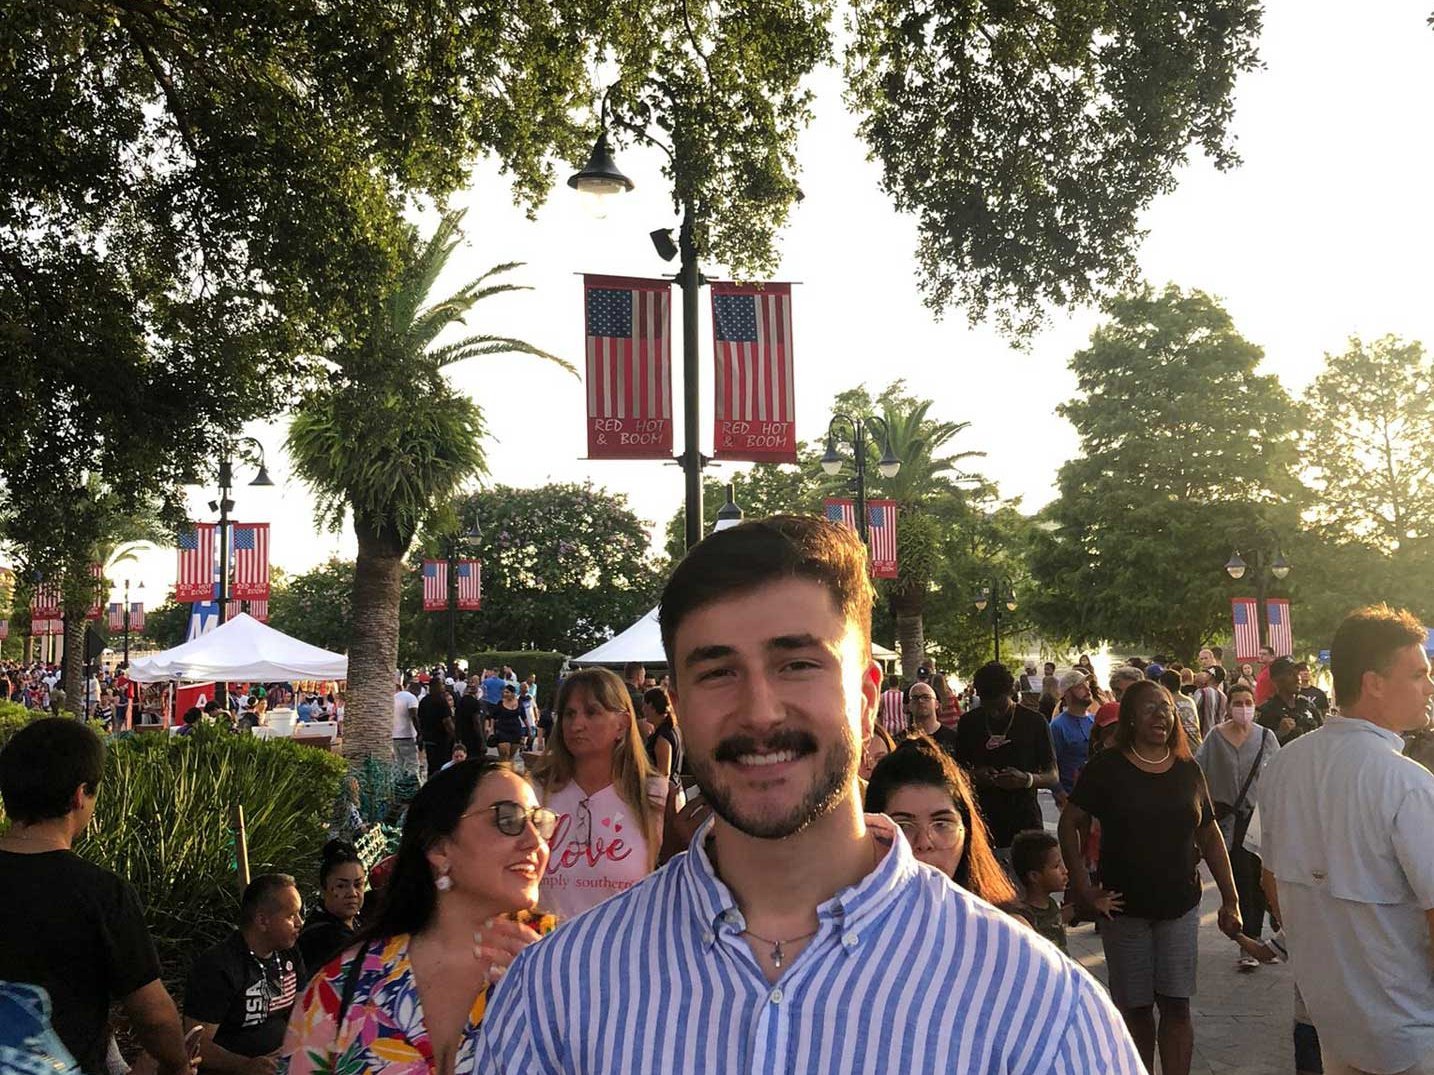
(1321, 233)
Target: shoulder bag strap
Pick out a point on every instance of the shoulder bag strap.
(1250, 777)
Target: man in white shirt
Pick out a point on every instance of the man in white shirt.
(405, 730)
(1345, 832)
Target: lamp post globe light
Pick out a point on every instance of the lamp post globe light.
(994, 594)
(1265, 565)
(832, 461)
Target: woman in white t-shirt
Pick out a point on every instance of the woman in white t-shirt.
(596, 777)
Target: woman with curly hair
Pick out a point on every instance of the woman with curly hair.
(920, 788)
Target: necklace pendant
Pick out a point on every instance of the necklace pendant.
(777, 955)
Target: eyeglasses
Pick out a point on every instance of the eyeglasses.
(944, 832)
(511, 818)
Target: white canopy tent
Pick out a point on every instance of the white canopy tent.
(643, 642)
(242, 651)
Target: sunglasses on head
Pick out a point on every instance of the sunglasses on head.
(512, 817)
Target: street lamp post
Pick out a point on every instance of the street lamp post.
(473, 534)
(224, 505)
(126, 619)
(598, 180)
(996, 593)
(888, 467)
(1264, 567)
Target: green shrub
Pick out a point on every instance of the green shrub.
(13, 717)
(164, 816)
(524, 662)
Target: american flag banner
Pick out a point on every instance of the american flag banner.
(251, 560)
(136, 615)
(470, 585)
(629, 367)
(257, 608)
(116, 617)
(1247, 628)
(435, 585)
(4, 630)
(755, 401)
(43, 628)
(196, 563)
(97, 603)
(880, 531)
(46, 601)
(1282, 639)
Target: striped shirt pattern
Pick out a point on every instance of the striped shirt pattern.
(893, 712)
(907, 973)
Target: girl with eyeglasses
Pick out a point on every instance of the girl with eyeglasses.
(455, 911)
(929, 797)
(597, 778)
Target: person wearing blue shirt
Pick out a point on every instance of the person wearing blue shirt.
(306, 710)
(493, 688)
(1070, 731)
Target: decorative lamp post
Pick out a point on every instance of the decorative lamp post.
(888, 467)
(224, 505)
(1268, 562)
(994, 594)
(470, 537)
(729, 514)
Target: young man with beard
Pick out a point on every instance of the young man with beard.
(793, 916)
(1070, 733)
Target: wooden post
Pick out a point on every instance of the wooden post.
(241, 848)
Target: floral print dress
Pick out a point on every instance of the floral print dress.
(383, 1029)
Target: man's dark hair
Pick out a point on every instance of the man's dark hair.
(1217, 674)
(993, 680)
(1367, 641)
(1240, 688)
(44, 763)
(1170, 680)
(1268, 649)
(261, 896)
(1302, 666)
(1029, 850)
(742, 558)
(631, 669)
(1218, 652)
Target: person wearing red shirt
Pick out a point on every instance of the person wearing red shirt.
(1264, 687)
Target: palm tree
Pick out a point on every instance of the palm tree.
(389, 439)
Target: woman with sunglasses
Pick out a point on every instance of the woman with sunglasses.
(927, 794)
(452, 916)
(597, 778)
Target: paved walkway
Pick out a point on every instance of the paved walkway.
(1243, 1019)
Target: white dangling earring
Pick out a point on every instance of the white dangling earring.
(443, 882)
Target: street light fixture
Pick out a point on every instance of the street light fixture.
(469, 536)
(993, 595)
(1236, 567)
(729, 514)
(224, 505)
(600, 177)
(832, 460)
(1261, 569)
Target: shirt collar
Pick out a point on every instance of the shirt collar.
(714, 907)
(1355, 725)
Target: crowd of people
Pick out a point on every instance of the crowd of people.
(735, 867)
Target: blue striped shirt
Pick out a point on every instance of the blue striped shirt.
(907, 973)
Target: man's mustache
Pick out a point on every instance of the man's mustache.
(783, 739)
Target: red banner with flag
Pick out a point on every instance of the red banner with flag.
(251, 560)
(880, 531)
(195, 580)
(468, 574)
(755, 402)
(1277, 615)
(629, 367)
(43, 628)
(136, 615)
(46, 601)
(1245, 613)
(97, 602)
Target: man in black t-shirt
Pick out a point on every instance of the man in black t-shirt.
(242, 990)
(468, 721)
(1317, 697)
(435, 725)
(924, 719)
(1007, 750)
(68, 926)
(1288, 713)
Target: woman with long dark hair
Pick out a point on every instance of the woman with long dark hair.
(330, 928)
(402, 1000)
(597, 779)
(1156, 821)
(929, 797)
(664, 745)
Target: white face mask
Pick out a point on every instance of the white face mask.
(1243, 715)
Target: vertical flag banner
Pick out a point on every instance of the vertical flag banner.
(96, 609)
(1282, 639)
(45, 601)
(755, 402)
(881, 536)
(136, 615)
(116, 617)
(880, 531)
(258, 609)
(195, 580)
(1247, 628)
(435, 585)
(251, 560)
(629, 367)
(44, 628)
(470, 588)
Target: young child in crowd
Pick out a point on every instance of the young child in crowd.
(1041, 873)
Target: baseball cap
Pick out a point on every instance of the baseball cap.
(1108, 713)
(1282, 666)
(1070, 680)
(1154, 671)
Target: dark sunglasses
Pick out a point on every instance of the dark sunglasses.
(511, 818)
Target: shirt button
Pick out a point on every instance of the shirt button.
(729, 917)
(775, 996)
(850, 940)
(708, 938)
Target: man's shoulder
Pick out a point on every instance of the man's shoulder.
(221, 958)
